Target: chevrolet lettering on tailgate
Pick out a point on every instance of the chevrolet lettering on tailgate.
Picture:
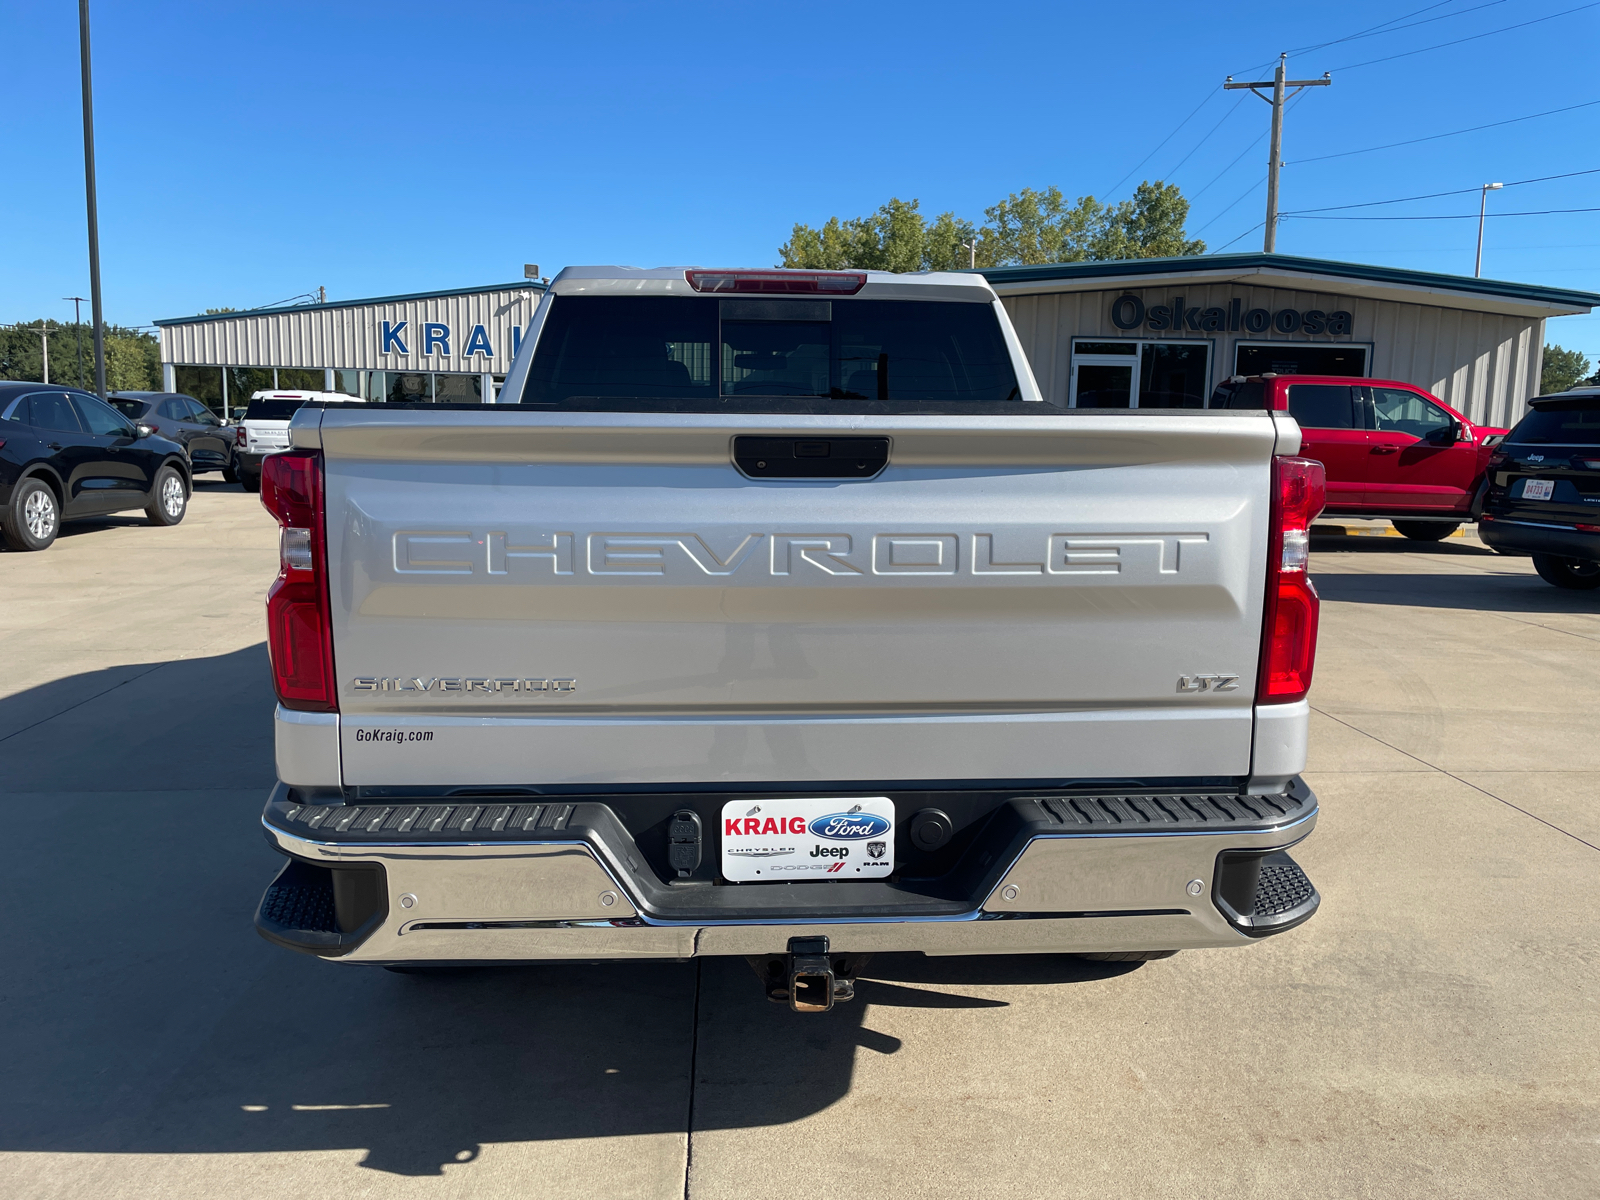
(836, 555)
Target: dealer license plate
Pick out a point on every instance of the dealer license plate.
(789, 841)
(1538, 489)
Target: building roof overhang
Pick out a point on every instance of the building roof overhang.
(522, 285)
(1304, 274)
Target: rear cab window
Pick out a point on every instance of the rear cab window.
(272, 410)
(1323, 406)
(703, 352)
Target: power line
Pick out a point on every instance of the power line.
(1205, 139)
(1435, 195)
(1433, 137)
(1389, 26)
(1474, 37)
(1111, 191)
(1245, 234)
(1230, 207)
(1215, 178)
(1542, 212)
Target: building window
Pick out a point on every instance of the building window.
(1299, 358)
(347, 382)
(1130, 374)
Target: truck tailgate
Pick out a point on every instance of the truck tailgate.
(525, 598)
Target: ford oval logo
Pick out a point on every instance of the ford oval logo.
(849, 827)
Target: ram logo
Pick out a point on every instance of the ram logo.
(1208, 683)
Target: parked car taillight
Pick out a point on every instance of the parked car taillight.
(239, 435)
(1498, 458)
(1289, 624)
(299, 628)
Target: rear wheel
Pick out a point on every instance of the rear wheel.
(1425, 531)
(1130, 956)
(169, 499)
(33, 518)
(250, 482)
(229, 475)
(1573, 573)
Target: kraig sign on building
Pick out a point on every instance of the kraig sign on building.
(1129, 312)
(436, 338)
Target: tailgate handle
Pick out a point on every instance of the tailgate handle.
(810, 458)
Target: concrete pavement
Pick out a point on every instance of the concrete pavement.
(1430, 1033)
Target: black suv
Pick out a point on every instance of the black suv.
(184, 420)
(66, 453)
(1543, 494)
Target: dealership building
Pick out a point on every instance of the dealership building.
(452, 347)
(1156, 332)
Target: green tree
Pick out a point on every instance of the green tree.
(133, 357)
(1028, 227)
(1562, 369)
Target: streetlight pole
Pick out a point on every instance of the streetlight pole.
(94, 213)
(1483, 211)
(972, 252)
(44, 350)
(77, 330)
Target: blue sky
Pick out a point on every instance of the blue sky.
(249, 152)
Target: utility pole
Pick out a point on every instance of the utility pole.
(972, 252)
(94, 212)
(44, 351)
(1483, 211)
(77, 330)
(1275, 159)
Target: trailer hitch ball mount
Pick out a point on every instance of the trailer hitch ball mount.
(809, 979)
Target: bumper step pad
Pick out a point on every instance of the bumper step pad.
(1263, 893)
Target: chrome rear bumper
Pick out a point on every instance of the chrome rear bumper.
(1051, 874)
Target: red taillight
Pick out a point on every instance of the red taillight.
(1497, 458)
(299, 629)
(238, 435)
(1289, 625)
(814, 283)
(154, 428)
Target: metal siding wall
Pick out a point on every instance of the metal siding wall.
(351, 337)
(1484, 364)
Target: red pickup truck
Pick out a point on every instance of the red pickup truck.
(1390, 449)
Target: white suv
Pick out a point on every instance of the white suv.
(264, 428)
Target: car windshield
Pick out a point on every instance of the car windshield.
(128, 408)
(1577, 425)
(272, 410)
(669, 352)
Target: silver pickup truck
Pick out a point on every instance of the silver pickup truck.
(777, 614)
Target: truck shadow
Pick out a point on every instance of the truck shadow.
(1506, 592)
(144, 1015)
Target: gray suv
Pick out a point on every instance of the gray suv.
(184, 420)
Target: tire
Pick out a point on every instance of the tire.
(169, 498)
(1425, 531)
(1129, 956)
(229, 475)
(1574, 573)
(33, 518)
(250, 483)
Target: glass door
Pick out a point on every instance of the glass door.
(1105, 375)
(1139, 374)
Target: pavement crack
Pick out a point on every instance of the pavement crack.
(1457, 778)
(694, 1070)
(81, 703)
